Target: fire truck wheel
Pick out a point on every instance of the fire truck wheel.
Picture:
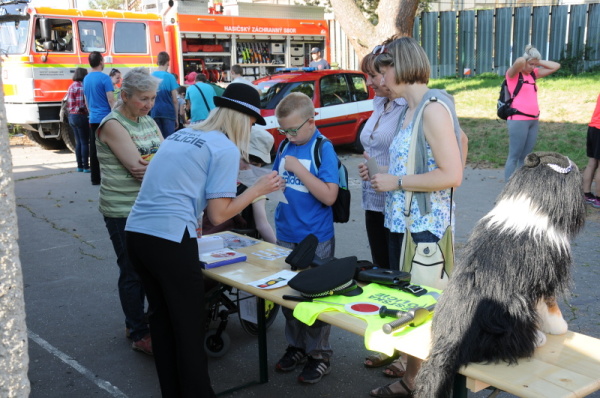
(68, 136)
(46, 143)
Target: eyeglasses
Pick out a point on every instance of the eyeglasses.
(293, 132)
(380, 49)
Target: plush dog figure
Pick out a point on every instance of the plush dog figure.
(501, 296)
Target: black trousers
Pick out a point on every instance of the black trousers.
(378, 236)
(94, 164)
(172, 277)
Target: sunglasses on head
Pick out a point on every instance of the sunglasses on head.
(380, 49)
(292, 132)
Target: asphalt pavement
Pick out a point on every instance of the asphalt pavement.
(77, 344)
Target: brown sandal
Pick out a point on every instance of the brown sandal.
(380, 359)
(395, 369)
(386, 391)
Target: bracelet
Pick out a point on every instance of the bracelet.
(400, 183)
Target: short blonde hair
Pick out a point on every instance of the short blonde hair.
(409, 60)
(531, 53)
(295, 103)
(236, 125)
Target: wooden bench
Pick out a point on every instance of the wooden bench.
(566, 366)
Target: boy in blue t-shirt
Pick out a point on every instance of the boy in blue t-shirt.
(310, 194)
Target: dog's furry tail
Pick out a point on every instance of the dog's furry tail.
(436, 377)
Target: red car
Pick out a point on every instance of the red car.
(342, 100)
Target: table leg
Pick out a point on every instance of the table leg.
(460, 386)
(263, 371)
(262, 341)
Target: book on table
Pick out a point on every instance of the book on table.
(217, 258)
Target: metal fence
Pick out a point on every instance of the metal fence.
(463, 43)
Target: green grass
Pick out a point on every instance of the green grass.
(566, 105)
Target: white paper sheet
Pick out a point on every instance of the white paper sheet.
(249, 177)
(280, 279)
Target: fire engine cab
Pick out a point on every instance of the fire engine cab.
(41, 47)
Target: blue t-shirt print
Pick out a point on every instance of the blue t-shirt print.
(291, 181)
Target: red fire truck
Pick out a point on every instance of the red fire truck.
(41, 47)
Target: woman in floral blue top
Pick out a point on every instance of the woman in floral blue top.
(405, 70)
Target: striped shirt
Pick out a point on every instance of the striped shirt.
(76, 100)
(376, 137)
(118, 189)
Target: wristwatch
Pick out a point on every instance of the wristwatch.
(400, 183)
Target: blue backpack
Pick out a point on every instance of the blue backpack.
(341, 207)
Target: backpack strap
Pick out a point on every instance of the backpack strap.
(283, 145)
(317, 151)
(518, 88)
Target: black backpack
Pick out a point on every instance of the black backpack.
(505, 99)
(341, 207)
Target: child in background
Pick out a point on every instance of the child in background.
(115, 77)
(182, 112)
(259, 151)
(310, 192)
(254, 217)
(593, 152)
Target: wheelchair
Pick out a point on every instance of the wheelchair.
(223, 301)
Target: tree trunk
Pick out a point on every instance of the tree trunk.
(405, 19)
(14, 360)
(396, 17)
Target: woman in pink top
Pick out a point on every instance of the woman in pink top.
(593, 152)
(523, 129)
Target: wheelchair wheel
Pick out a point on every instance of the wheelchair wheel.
(271, 310)
(216, 346)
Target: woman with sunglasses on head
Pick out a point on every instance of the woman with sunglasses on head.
(439, 167)
(376, 138)
(523, 126)
(194, 170)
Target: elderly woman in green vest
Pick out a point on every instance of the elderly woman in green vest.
(126, 141)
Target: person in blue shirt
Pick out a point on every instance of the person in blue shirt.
(200, 99)
(317, 61)
(194, 170)
(98, 90)
(310, 192)
(165, 111)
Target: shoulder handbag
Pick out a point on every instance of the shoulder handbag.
(203, 97)
(429, 263)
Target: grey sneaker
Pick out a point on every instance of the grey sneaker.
(314, 370)
(292, 357)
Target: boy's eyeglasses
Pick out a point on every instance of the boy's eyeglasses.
(293, 132)
(380, 49)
